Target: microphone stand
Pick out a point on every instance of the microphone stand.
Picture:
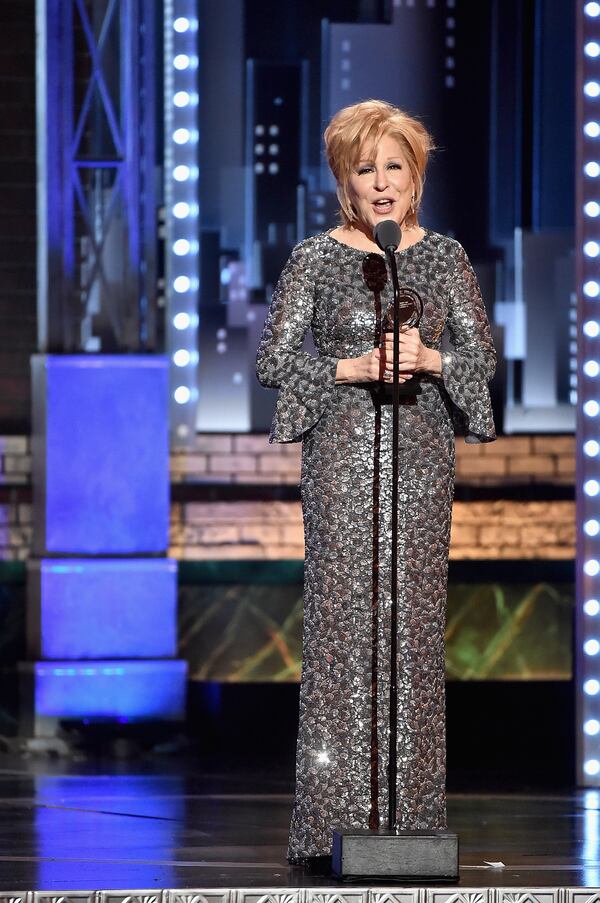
(393, 714)
(417, 853)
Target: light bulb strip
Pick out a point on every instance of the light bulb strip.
(182, 272)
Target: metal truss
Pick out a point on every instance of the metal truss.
(96, 197)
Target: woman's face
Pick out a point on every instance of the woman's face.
(381, 185)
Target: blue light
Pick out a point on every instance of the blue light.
(182, 394)
(182, 209)
(182, 61)
(182, 284)
(591, 527)
(181, 136)
(181, 173)
(591, 328)
(182, 98)
(181, 247)
(591, 368)
(591, 408)
(591, 129)
(591, 647)
(592, 10)
(592, 208)
(592, 169)
(591, 89)
(591, 607)
(592, 766)
(591, 567)
(182, 321)
(182, 357)
(181, 25)
(592, 49)
(591, 727)
(591, 448)
(591, 487)
(591, 687)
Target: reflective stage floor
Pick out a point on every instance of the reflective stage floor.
(155, 826)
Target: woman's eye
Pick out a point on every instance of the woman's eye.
(394, 166)
(364, 169)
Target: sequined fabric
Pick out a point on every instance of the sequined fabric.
(342, 295)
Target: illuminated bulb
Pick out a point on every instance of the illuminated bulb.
(181, 210)
(591, 647)
(181, 98)
(592, 766)
(225, 276)
(591, 328)
(591, 727)
(591, 368)
(592, 208)
(182, 24)
(592, 49)
(591, 408)
(591, 527)
(592, 169)
(181, 247)
(181, 136)
(591, 487)
(591, 448)
(181, 173)
(182, 61)
(182, 394)
(182, 358)
(591, 567)
(182, 283)
(591, 89)
(591, 687)
(592, 9)
(182, 321)
(591, 129)
(591, 607)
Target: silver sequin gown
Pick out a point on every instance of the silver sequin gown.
(341, 294)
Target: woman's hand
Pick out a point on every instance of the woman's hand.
(377, 365)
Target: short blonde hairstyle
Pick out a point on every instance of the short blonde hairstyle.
(363, 124)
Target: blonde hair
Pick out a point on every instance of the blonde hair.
(363, 124)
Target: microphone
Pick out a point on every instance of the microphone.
(387, 235)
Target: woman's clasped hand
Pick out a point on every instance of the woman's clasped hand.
(378, 364)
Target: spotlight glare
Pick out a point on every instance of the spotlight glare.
(182, 394)
(592, 10)
(591, 687)
(591, 727)
(182, 357)
(591, 368)
(591, 487)
(591, 527)
(591, 567)
(591, 607)
(182, 24)
(591, 647)
(182, 321)
(591, 448)
(591, 89)
(181, 173)
(592, 208)
(182, 61)
(181, 136)
(591, 328)
(181, 98)
(181, 247)
(592, 766)
(591, 129)
(591, 408)
(592, 169)
(182, 284)
(181, 210)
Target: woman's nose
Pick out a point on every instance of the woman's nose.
(380, 179)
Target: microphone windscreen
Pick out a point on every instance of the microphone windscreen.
(387, 234)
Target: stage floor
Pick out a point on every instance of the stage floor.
(157, 826)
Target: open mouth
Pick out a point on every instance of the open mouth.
(384, 205)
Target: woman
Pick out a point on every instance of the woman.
(336, 284)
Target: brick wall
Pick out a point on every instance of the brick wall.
(267, 529)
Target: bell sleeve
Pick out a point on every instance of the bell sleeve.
(305, 383)
(468, 368)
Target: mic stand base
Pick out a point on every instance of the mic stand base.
(359, 853)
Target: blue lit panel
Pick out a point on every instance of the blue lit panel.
(101, 428)
(117, 690)
(118, 608)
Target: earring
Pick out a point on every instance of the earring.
(412, 205)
